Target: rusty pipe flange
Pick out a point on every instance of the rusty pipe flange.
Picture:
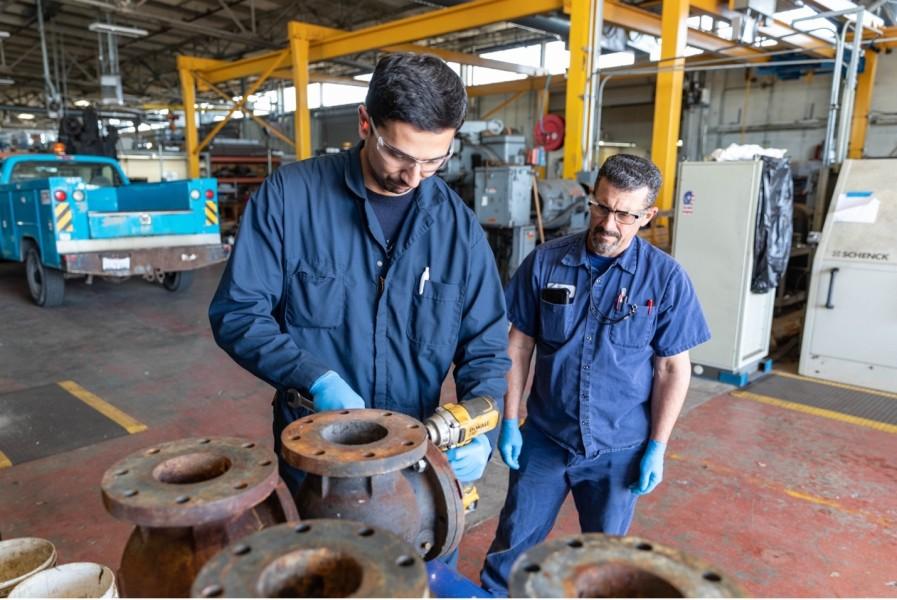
(190, 482)
(324, 558)
(356, 443)
(441, 503)
(595, 565)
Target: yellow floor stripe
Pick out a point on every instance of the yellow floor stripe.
(4, 461)
(813, 499)
(127, 422)
(819, 412)
(845, 386)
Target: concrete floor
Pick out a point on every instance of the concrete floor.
(789, 504)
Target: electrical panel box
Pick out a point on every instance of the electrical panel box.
(509, 149)
(851, 323)
(715, 225)
(503, 195)
(522, 243)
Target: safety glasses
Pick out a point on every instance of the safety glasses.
(428, 166)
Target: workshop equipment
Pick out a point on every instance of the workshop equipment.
(324, 558)
(715, 230)
(20, 558)
(189, 499)
(595, 565)
(851, 323)
(377, 467)
(456, 424)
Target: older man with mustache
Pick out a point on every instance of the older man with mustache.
(611, 319)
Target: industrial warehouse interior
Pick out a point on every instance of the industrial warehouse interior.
(448, 298)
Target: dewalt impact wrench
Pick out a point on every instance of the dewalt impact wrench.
(454, 425)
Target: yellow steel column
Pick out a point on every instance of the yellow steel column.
(668, 97)
(302, 122)
(577, 78)
(862, 104)
(188, 93)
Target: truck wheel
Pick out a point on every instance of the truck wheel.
(177, 281)
(46, 285)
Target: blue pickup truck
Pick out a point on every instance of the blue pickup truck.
(79, 216)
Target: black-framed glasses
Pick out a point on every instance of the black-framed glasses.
(621, 216)
(428, 166)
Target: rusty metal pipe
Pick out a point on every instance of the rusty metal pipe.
(189, 499)
(379, 468)
(324, 558)
(595, 565)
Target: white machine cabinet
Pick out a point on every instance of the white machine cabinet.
(716, 214)
(850, 332)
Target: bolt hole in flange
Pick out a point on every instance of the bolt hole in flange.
(192, 468)
(621, 580)
(318, 573)
(353, 433)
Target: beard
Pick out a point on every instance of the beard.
(393, 185)
(602, 246)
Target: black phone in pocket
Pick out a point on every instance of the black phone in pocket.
(556, 295)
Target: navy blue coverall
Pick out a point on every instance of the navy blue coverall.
(589, 411)
(311, 287)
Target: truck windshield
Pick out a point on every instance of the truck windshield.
(98, 174)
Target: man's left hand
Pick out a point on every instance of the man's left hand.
(651, 468)
(469, 461)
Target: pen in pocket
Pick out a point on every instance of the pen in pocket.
(424, 278)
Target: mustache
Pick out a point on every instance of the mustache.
(602, 231)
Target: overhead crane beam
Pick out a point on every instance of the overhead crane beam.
(310, 43)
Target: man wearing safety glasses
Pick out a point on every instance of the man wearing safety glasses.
(359, 279)
(611, 320)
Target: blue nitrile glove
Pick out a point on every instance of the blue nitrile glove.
(510, 442)
(468, 462)
(331, 392)
(651, 468)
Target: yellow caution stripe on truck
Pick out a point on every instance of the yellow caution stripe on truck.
(211, 212)
(63, 213)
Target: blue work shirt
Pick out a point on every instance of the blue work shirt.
(594, 368)
(310, 287)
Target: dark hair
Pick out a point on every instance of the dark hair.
(629, 172)
(419, 89)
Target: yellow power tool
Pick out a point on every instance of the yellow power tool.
(454, 425)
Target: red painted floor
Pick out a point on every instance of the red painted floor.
(789, 504)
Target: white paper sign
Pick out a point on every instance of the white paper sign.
(857, 207)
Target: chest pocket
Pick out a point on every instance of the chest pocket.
(315, 299)
(634, 332)
(434, 315)
(555, 321)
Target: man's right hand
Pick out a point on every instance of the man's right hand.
(510, 442)
(331, 392)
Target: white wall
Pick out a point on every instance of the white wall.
(792, 114)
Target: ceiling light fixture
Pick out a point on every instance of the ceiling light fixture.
(7, 81)
(26, 116)
(82, 103)
(121, 30)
